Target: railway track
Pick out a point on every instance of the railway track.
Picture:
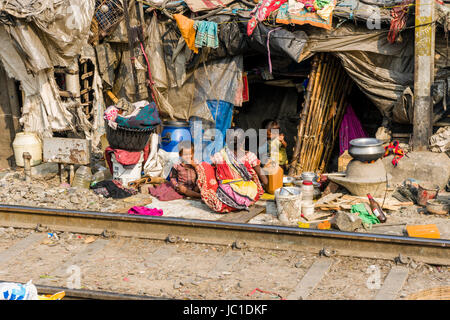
(374, 246)
(83, 294)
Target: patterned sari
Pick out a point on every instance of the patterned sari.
(232, 184)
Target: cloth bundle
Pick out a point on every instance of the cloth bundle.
(144, 116)
(144, 211)
(112, 189)
(394, 148)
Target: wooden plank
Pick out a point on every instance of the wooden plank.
(328, 198)
(242, 216)
(392, 284)
(19, 247)
(311, 279)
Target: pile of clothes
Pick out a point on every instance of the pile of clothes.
(141, 115)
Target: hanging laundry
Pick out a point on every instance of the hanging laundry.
(187, 30)
(206, 34)
(261, 12)
(399, 15)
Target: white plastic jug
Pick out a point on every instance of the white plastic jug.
(27, 142)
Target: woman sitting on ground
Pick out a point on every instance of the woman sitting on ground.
(231, 184)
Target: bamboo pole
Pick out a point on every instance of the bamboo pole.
(318, 132)
(303, 114)
(315, 116)
(318, 153)
(305, 136)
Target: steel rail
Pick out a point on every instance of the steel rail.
(378, 246)
(84, 294)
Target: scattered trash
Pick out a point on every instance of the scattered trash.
(172, 239)
(89, 239)
(17, 291)
(424, 231)
(239, 245)
(326, 252)
(52, 236)
(267, 292)
(299, 264)
(108, 234)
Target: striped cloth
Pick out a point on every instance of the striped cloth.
(206, 34)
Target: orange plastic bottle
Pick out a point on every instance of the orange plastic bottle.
(275, 179)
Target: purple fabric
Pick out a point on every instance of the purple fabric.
(144, 211)
(350, 129)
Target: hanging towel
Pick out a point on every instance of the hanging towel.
(206, 34)
(187, 30)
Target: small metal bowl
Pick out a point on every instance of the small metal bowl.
(288, 180)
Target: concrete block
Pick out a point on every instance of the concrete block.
(423, 166)
(44, 169)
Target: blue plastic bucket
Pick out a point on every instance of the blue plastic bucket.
(174, 132)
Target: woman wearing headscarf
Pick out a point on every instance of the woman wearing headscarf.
(232, 182)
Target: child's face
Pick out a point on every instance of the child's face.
(187, 156)
(274, 132)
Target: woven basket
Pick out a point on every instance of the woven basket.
(127, 139)
(438, 293)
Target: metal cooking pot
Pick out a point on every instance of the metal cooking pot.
(366, 149)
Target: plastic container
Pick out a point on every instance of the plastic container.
(275, 178)
(289, 202)
(308, 192)
(307, 209)
(18, 291)
(126, 175)
(173, 132)
(27, 142)
(83, 177)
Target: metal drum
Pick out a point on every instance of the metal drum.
(174, 132)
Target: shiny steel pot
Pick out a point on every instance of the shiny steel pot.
(366, 149)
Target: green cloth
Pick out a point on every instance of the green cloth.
(207, 34)
(366, 217)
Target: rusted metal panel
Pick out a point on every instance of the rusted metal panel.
(67, 151)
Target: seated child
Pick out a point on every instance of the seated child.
(183, 176)
(276, 144)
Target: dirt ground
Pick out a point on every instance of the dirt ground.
(195, 271)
